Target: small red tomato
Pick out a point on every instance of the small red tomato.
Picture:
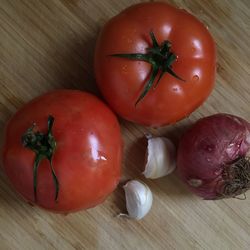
(62, 151)
(155, 64)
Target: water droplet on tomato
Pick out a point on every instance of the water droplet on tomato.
(195, 78)
(125, 69)
(129, 40)
(103, 158)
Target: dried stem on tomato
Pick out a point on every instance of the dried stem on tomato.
(161, 59)
(43, 145)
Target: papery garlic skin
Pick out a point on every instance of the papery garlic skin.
(139, 199)
(160, 157)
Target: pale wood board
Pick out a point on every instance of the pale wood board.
(49, 44)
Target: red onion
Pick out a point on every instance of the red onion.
(213, 157)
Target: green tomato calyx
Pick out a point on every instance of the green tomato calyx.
(161, 59)
(44, 146)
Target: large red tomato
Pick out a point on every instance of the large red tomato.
(137, 46)
(62, 151)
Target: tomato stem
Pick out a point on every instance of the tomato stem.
(161, 59)
(44, 146)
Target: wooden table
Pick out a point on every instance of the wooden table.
(46, 45)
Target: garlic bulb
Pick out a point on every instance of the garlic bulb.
(138, 199)
(161, 157)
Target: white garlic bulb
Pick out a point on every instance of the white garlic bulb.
(160, 157)
(139, 199)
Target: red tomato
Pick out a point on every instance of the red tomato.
(191, 56)
(86, 158)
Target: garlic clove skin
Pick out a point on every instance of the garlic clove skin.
(160, 156)
(139, 199)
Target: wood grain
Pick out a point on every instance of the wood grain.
(46, 45)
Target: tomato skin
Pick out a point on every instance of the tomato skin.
(122, 80)
(87, 159)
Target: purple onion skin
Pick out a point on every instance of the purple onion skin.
(207, 152)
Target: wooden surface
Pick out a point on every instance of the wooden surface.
(49, 44)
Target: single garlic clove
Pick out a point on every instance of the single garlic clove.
(138, 199)
(160, 157)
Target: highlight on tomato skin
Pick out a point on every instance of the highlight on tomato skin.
(62, 151)
(154, 63)
(213, 157)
